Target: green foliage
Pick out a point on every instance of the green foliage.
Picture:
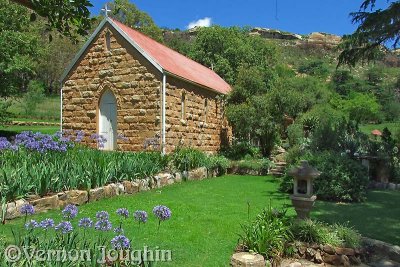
(268, 234)
(341, 179)
(186, 158)
(350, 238)
(261, 166)
(70, 18)
(315, 232)
(316, 68)
(227, 49)
(361, 107)
(240, 150)
(78, 168)
(18, 49)
(33, 96)
(220, 164)
(127, 13)
(375, 29)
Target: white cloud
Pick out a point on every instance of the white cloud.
(205, 22)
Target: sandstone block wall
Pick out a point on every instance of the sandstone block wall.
(202, 125)
(137, 86)
(135, 83)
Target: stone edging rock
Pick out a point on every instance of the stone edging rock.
(33, 123)
(378, 250)
(327, 254)
(387, 186)
(80, 197)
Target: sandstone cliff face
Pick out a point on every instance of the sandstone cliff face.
(316, 38)
(274, 34)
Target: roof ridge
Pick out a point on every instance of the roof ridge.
(169, 48)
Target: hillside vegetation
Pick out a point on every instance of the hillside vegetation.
(275, 81)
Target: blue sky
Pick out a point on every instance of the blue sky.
(298, 16)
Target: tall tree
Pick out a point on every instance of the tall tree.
(70, 18)
(129, 14)
(376, 28)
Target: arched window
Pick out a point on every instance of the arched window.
(108, 41)
(205, 109)
(183, 106)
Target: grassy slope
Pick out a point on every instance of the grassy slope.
(377, 218)
(47, 110)
(207, 216)
(392, 126)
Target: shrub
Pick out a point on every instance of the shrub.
(341, 179)
(350, 238)
(268, 234)
(339, 235)
(315, 68)
(259, 165)
(185, 159)
(217, 163)
(239, 150)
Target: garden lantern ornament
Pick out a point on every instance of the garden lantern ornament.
(303, 197)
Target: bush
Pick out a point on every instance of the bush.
(240, 150)
(315, 232)
(186, 159)
(268, 234)
(341, 179)
(217, 163)
(350, 238)
(315, 68)
(259, 165)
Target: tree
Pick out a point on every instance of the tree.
(129, 14)
(19, 49)
(70, 18)
(376, 28)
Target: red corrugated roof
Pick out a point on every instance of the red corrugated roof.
(176, 63)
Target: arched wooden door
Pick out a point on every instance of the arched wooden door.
(108, 120)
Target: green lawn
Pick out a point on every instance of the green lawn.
(378, 217)
(392, 126)
(206, 216)
(48, 109)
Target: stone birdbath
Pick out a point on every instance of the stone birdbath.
(303, 197)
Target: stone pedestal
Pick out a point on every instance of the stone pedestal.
(247, 259)
(303, 205)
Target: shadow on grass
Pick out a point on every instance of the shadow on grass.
(7, 134)
(378, 217)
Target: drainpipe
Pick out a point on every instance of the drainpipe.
(164, 85)
(61, 106)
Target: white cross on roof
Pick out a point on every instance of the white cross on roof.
(106, 10)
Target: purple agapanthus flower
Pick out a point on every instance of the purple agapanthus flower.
(140, 216)
(27, 209)
(120, 242)
(123, 212)
(64, 227)
(70, 212)
(85, 223)
(163, 213)
(118, 230)
(103, 225)
(46, 224)
(4, 143)
(102, 215)
(100, 140)
(32, 224)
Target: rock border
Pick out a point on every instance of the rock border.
(81, 197)
(32, 123)
(381, 185)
